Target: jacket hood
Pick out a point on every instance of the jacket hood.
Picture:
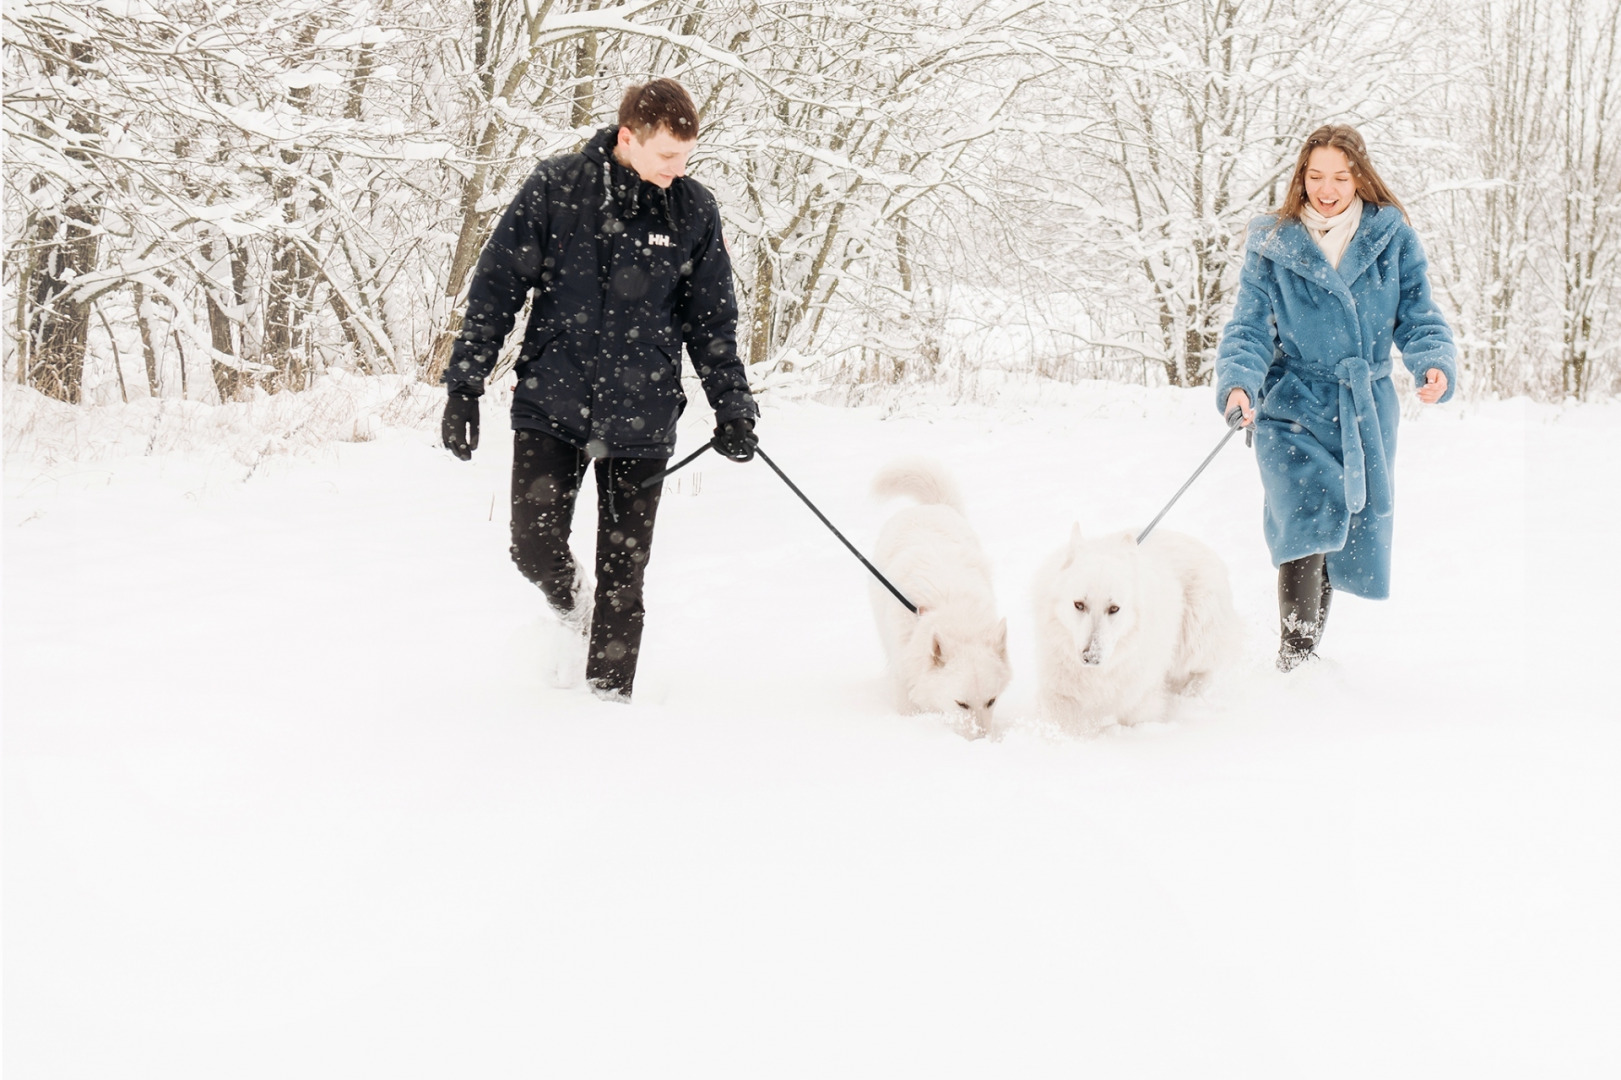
(625, 194)
(599, 147)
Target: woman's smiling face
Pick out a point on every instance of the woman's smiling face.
(1329, 184)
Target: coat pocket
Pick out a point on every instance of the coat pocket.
(1293, 399)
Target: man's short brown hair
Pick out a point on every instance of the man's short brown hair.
(660, 103)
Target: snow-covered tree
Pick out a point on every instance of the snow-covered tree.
(206, 197)
(1196, 110)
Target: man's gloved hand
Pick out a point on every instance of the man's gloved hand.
(459, 429)
(735, 439)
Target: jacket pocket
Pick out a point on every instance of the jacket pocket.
(554, 381)
(642, 397)
(536, 339)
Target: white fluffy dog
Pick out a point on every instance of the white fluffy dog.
(951, 657)
(1121, 627)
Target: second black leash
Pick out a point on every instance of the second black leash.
(761, 454)
(683, 463)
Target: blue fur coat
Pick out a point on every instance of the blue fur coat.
(1311, 344)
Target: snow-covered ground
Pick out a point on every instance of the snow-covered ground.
(287, 793)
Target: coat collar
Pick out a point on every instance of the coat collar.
(1292, 247)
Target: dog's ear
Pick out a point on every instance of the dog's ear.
(1074, 546)
(1001, 639)
(938, 656)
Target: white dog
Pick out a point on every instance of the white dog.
(1121, 627)
(950, 657)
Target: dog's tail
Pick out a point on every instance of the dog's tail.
(924, 479)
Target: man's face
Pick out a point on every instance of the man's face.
(659, 160)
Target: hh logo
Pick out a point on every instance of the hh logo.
(659, 240)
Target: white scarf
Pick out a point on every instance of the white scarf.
(1333, 234)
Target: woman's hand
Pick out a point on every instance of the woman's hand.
(1435, 385)
(1239, 399)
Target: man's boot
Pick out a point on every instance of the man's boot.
(570, 644)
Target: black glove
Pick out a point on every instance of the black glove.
(735, 439)
(459, 429)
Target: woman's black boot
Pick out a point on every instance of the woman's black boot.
(1303, 599)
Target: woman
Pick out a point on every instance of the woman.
(1330, 281)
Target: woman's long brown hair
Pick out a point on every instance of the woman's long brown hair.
(1345, 139)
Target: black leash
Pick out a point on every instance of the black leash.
(683, 463)
(1235, 417)
(650, 481)
(761, 454)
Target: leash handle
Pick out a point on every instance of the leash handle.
(683, 463)
(761, 454)
(1235, 416)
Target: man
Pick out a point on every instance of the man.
(626, 262)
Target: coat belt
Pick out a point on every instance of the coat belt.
(1359, 420)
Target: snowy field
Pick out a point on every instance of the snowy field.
(287, 793)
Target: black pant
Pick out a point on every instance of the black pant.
(546, 474)
(1303, 599)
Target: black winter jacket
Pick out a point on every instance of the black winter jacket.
(623, 272)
